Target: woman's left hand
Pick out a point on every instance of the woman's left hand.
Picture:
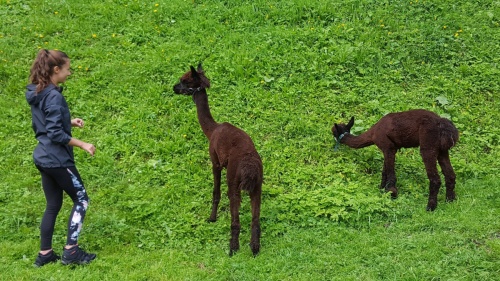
(77, 122)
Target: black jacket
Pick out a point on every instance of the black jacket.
(51, 121)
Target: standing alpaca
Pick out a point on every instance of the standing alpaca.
(229, 148)
(434, 135)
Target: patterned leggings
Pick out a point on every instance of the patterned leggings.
(54, 182)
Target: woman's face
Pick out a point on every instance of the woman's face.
(61, 73)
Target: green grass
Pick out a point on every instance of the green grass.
(284, 71)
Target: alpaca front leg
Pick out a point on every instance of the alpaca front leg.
(434, 184)
(234, 205)
(434, 180)
(255, 198)
(384, 179)
(449, 175)
(216, 193)
(383, 183)
(390, 174)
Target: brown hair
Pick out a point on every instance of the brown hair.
(43, 67)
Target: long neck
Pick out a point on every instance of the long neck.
(363, 140)
(205, 118)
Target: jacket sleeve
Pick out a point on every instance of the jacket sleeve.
(54, 117)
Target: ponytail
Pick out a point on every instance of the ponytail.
(43, 67)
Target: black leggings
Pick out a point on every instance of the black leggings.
(54, 182)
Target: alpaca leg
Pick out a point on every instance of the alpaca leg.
(384, 178)
(216, 193)
(449, 175)
(390, 174)
(234, 195)
(255, 198)
(430, 160)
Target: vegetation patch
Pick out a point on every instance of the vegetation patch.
(284, 71)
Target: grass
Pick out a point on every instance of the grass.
(284, 72)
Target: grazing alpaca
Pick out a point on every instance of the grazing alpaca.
(434, 135)
(229, 148)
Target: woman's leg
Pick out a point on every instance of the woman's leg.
(72, 253)
(54, 198)
(73, 186)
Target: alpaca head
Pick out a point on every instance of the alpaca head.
(340, 130)
(192, 81)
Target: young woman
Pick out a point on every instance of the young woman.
(54, 157)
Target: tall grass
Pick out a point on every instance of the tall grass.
(284, 71)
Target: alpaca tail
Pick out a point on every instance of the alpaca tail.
(251, 173)
(449, 134)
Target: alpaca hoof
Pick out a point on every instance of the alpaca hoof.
(234, 246)
(393, 191)
(212, 219)
(232, 252)
(450, 198)
(431, 208)
(255, 250)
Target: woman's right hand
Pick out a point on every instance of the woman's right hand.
(90, 148)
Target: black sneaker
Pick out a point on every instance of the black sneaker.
(76, 255)
(42, 260)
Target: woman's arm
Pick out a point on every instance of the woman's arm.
(90, 148)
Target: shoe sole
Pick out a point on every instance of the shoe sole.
(40, 265)
(76, 262)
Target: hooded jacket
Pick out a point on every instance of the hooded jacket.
(51, 122)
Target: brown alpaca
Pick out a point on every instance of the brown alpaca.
(229, 148)
(434, 135)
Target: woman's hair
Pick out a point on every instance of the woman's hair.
(43, 67)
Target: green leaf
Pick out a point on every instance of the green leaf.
(442, 100)
(268, 79)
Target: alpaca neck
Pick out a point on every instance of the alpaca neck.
(205, 118)
(360, 141)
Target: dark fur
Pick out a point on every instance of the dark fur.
(434, 135)
(229, 148)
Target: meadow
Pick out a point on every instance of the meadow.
(284, 71)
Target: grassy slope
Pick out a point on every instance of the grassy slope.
(284, 72)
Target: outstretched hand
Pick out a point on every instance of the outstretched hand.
(77, 122)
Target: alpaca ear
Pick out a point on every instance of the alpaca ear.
(337, 129)
(350, 124)
(200, 68)
(194, 73)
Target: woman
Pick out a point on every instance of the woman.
(54, 157)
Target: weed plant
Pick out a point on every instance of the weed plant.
(284, 71)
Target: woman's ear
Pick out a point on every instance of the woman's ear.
(57, 69)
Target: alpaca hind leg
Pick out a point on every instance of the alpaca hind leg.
(216, 193)
(430, 160)
(234, 195)
(255, 198)
(449, 175)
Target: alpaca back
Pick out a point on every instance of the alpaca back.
(448, 134)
